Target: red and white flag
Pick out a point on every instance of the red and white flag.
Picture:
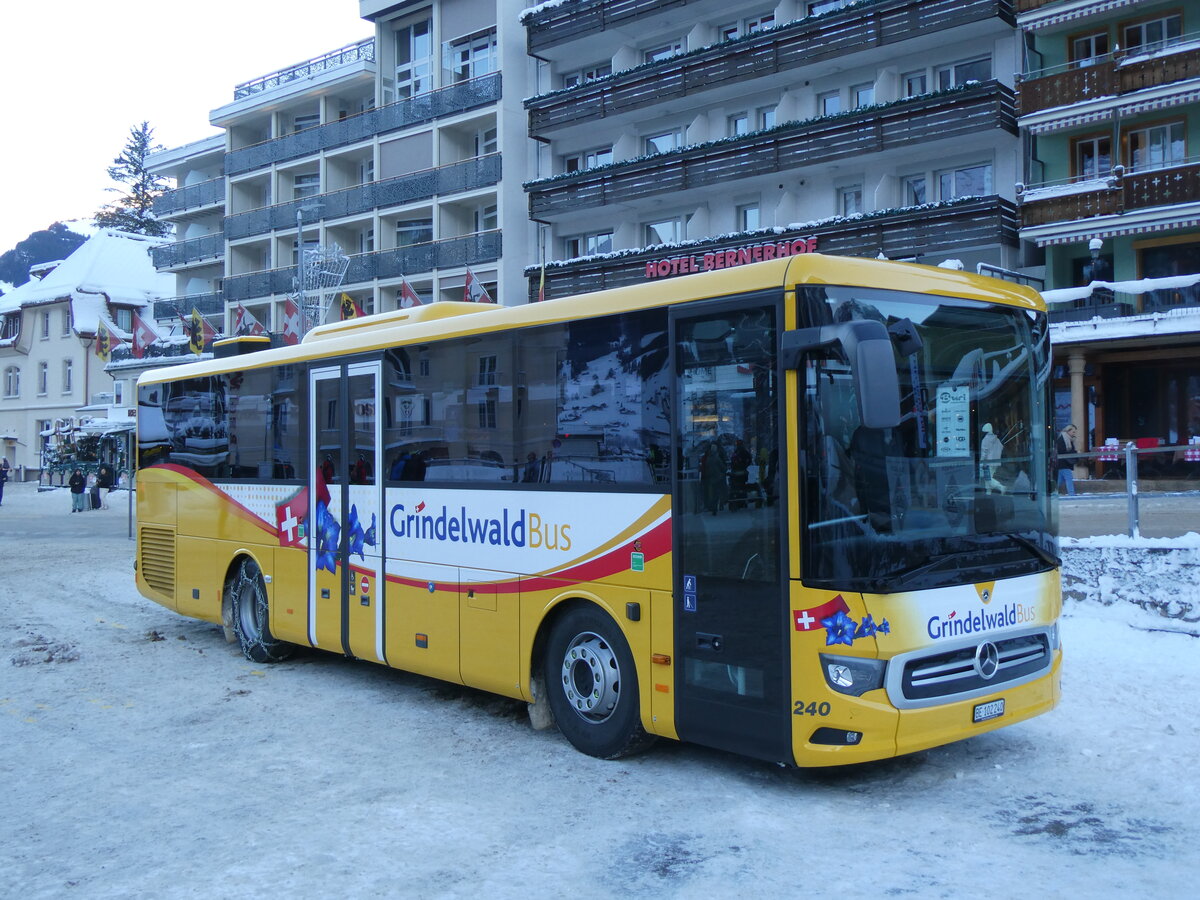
(408, 297)
(289, 519)
(291, 322)
(474, 291)
(810, 619)
(143, 336)
(244, 322)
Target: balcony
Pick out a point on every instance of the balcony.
(182, 253)
(363, 50)
(402, 114)
(470, 249)
(927, 233)
(791, 46)
(931, 117)
(210, 304)
(190, 196)
(1111, 75)
(455, 178)
(1121, 193)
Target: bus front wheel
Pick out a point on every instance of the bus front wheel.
(592, 685)
(248, 597)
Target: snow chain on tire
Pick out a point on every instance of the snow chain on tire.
(251, 616)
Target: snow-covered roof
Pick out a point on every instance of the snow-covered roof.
(111, 266)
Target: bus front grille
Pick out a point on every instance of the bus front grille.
(156, 558)
(953, 674)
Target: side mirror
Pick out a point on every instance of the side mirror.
(868, 348)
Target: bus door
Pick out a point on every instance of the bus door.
(345, 604)
(731, 673)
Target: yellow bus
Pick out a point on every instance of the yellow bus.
(799, 509)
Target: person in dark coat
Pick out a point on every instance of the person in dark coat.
(3, 478)
(77, 483)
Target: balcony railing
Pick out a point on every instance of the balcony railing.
(928, 233)
(932, 117)
(190, 196)
(1122, 192)
(799, 43)
(455, 178)
(470, 249)
(209, 304)
(180, 253)
(1177, 295)
(351, 53)
(416, 110)
(1111, 75)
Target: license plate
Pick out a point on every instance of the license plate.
(991, 710)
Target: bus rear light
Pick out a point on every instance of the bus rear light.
(853, 675)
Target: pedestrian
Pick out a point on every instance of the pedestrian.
(93, 491)
(104, 482)
(4, 469)
(1064, 446)
(77, 483)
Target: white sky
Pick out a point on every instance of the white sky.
(76, 75)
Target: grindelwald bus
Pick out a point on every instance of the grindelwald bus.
(800, 510)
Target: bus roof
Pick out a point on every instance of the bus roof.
(449, 319)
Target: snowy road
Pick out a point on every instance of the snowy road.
(142, 756)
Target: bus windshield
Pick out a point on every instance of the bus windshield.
(960, 490)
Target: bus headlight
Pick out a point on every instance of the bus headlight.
(1055, 641)
(853, 675)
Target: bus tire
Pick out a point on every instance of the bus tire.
(592, 685)
(248, 600)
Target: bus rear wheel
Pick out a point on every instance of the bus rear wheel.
(592, 685)
(247, 595)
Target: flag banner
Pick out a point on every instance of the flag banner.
(143, 336)
(105, 342)
(200, 333)
(244, 322)
(291, 322)
(408, 297)
(474, 291)
(350, 307)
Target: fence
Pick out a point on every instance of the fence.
(1137, 467)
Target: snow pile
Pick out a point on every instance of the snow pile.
(1160, 575)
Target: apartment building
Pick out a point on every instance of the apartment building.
(674, 140)
(1110, 113)
(388, 150)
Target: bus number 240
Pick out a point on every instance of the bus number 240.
(810, 709)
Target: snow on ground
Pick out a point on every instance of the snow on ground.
(142, 756)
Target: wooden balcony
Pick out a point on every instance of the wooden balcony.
(1136, 190)
(1109, 76)
(939, 117)
(797, 44)
(927, 233)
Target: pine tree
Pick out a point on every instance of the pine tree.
(132, 212)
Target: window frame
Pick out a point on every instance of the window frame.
(952, 69)
(1127, 137)
(1081, 141)
(823, 102)
(953, 172)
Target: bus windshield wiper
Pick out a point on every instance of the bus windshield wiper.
(891, 582)
(1040, 552)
